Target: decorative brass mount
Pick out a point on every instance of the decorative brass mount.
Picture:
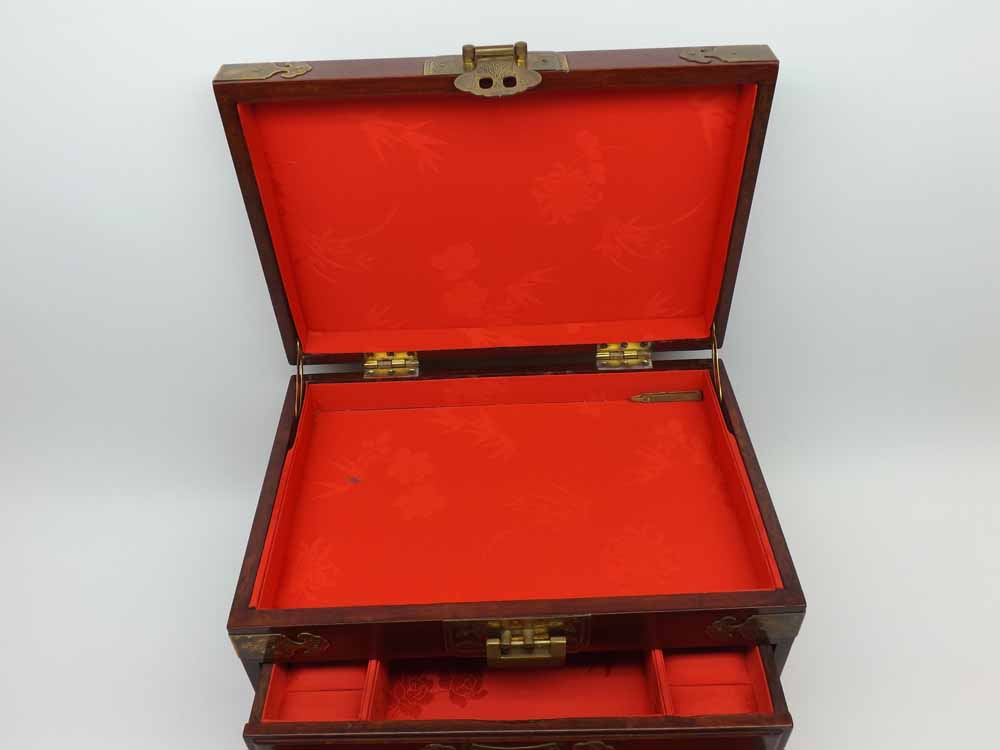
(496, 70)
(740, 53)
(756, 628)
(277, 646)
(262, 71)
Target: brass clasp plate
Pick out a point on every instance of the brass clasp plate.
(518, 642)
(497, 70)
(525, 644)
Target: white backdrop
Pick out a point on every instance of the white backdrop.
(142, 368)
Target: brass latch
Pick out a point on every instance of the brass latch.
(526, 645)
(473, 55)
(627, 355)
(391, 365)
(518, 642)
(496, 70)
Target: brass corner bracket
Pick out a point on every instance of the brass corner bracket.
(278, 647)
(742, 53)
(262, 71)
(768, 628)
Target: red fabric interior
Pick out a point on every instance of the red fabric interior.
(622, 684)
(444, 222)
(715, 682)
(409, 492)
(312, 693)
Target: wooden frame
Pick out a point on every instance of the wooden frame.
(722, 732)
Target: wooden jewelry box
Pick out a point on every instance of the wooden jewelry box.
(501, 241)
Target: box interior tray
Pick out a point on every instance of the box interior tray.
(511, 488)
(653, 683)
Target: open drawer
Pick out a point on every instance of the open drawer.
(721, 698)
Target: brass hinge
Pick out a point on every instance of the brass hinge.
(627, 355)
(379, 365)
(496, 70)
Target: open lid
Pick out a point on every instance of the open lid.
(393, 211)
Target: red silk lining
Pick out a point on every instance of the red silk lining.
(412, 492)
(445, 222)
(693, 683)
